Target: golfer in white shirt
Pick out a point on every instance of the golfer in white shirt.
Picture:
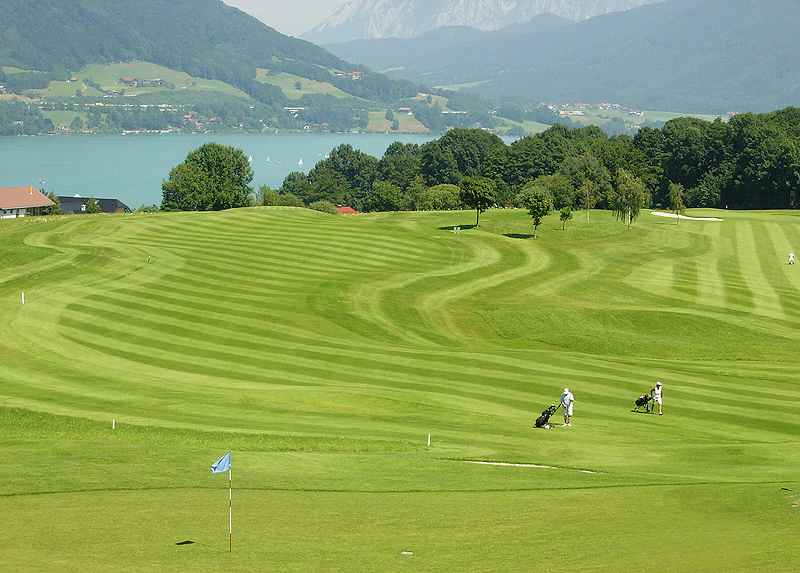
(658, 397)
(567, 402)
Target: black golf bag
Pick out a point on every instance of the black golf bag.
(643, 401)
(543, 420)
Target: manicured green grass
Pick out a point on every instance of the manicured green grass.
(322, 350)
(288, 85)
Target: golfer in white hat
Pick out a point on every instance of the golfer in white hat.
(567, 402)
(657, 394)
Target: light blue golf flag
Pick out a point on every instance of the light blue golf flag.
(222, 465)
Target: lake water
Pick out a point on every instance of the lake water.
(131, 168)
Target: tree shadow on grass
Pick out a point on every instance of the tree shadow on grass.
(518, 236)
(454, 227)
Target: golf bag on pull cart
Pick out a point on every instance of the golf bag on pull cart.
(643, 401)
(543, 421)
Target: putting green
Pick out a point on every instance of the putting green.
(323, 350)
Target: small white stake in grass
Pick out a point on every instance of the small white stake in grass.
(22, 297)
(429, 440)
(114, 424)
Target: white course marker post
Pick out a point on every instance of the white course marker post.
(230, 510)
(22, 297)
(429, 440)
(114, 424)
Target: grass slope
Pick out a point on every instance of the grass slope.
(407, 123)
(107, 77)
(323, 349)
(288, 85)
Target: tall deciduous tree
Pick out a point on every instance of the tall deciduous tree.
(628, 198)
(385, 196)
(440, 198)
(536, 200)
(267, 197)
(479, 194)
(560, 189)
(676, 201)
(212, 178)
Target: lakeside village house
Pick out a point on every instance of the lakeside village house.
(76, 205)
(18, 202)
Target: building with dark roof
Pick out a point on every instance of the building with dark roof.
(77, 205)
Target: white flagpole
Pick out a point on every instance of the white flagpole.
(230, 510)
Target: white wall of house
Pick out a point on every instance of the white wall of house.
(12, 213)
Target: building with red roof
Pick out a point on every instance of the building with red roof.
(21, 201)
(346, 210)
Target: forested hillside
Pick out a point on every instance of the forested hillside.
(204, 38)
(750, 162)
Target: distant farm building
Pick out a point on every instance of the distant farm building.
(356, 76)
(142, 83)
(22, 201)
(77, 205)
(343, 210)
(294, 111)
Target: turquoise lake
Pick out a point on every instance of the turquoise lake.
(131, 168)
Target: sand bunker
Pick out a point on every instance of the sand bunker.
(531, 466)
(685, 217)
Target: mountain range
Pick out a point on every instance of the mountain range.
(370, 19)
(711, 56)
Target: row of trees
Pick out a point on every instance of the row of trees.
(753, 161)
(750, 162)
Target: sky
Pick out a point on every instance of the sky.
(291, 17)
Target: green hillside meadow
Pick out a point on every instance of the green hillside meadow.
(322, 350)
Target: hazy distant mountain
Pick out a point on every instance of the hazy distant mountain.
(416, 57)
(683, 55)
(367, 19)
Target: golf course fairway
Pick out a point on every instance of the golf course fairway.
(323, 350)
